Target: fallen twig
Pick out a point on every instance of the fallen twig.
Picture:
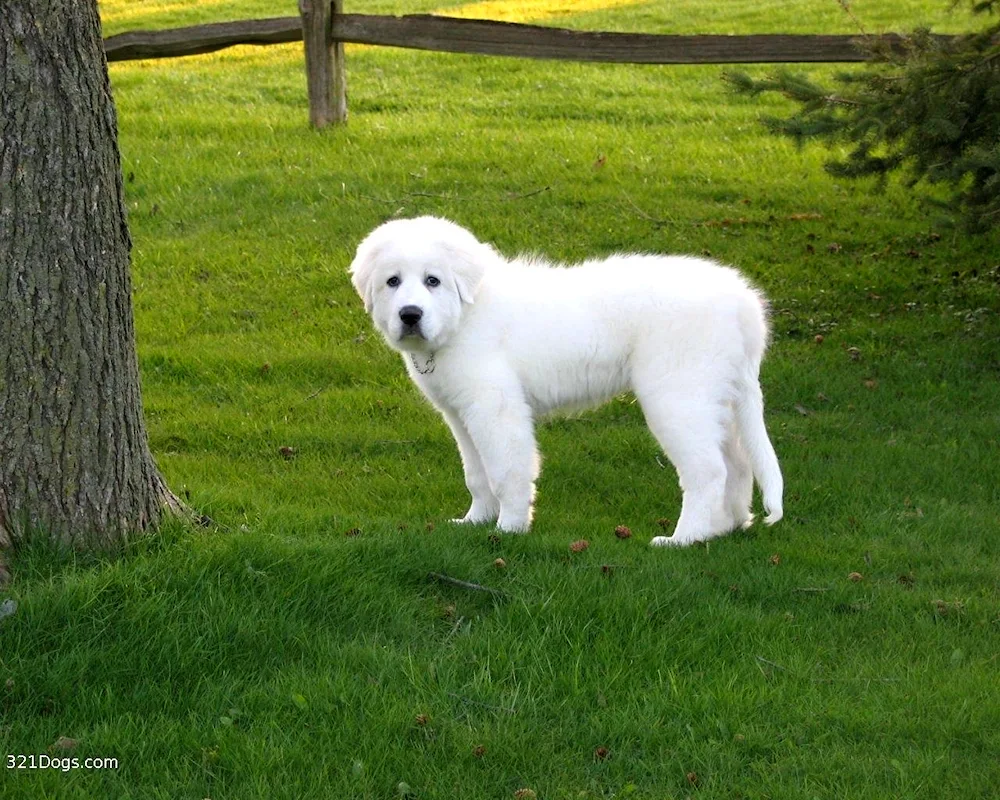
(309, 397)
(514, 196)
(441, 578)
(645, 216)
(774, 664)
(454, 629)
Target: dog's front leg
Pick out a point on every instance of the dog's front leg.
(485, 506)
(502, 430)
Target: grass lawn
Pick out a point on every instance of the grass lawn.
(297, 647)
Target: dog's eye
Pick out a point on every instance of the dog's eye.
(432, 281)
(393, 281)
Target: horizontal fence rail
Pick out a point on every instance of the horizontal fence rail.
(448, 34)
(482, 37)
(199, 39)
(324, 29)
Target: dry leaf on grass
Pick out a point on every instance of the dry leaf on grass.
(64, 743)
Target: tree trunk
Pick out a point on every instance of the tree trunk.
(74, 461)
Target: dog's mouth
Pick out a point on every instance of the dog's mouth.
(411, 332)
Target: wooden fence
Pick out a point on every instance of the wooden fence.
(324, 29)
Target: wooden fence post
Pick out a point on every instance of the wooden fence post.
(325, 75)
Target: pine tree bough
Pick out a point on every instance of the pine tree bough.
(927, 111)
(74, 460)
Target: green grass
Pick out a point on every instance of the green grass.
(273, 656)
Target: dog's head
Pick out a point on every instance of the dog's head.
(415, 276)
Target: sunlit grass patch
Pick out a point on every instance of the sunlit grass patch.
(531, 10)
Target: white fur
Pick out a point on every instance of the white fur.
(503, 341)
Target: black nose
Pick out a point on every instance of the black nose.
(410, 315)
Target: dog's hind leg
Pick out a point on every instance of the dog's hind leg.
(739, 479)
(689, 427)
(485, 506)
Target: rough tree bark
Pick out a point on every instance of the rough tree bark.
(74, 461)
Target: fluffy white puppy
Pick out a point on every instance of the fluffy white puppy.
(493, 343)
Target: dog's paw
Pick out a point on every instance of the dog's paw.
(670, 541)
(478, 514)
(512, 531)
(516, 526)
(467, 520)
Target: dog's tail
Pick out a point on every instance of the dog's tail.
(749, 408)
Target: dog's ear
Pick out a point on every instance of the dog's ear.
(361, 270)
(469, 264)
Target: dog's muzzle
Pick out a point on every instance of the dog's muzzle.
(410, 317)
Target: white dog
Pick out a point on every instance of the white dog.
(493, 343)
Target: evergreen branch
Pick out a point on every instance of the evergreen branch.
(929, 113)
